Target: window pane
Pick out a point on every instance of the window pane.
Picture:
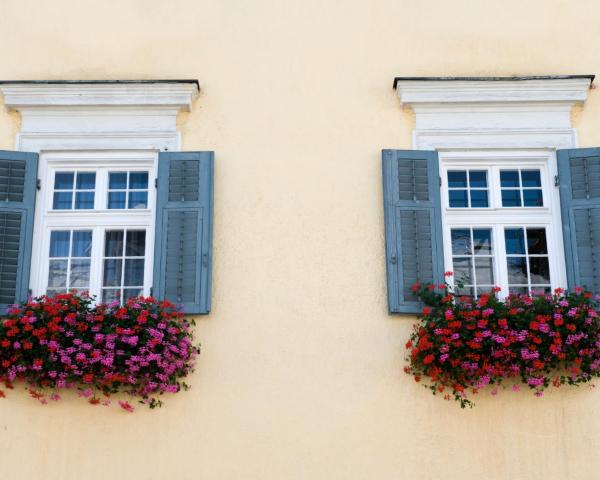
(117, 180)
(479, 198)
(539, 269)
(461, 241)
(531, 178)
(80, 273)
(138, 180)
(511, 198)
(131, 292)
(59, 243)
(482, 238)
(484, 271)
(515, 242)
(517, 270)
(536, 241)
(458, 198)
(63, 180)
(112, 272)
(82, 244)
(86, 180)
(509, 178)
(111, 295)
(136, 243)
(84, 200)
(134, 272)
(113, 246)
(478, 178)
(62, 200)
(138, 199)
(533, 198)
(518, 290)
(57, 273)
(457, 179)
(116, 200)
(462, 270)
(55, 291)
(465, 292)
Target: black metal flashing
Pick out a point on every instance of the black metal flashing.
(493, 79)
(96, 82)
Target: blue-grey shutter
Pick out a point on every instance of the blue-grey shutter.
(183, 244)
(18, 180)
(579, 180)
(413, 225)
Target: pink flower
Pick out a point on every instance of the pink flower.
(126, 406)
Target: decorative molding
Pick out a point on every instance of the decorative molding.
(493, 114)
(99, 116)
(569, 90)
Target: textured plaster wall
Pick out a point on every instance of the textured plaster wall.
(301, 371)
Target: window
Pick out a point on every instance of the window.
(510, 239)
(106, 196)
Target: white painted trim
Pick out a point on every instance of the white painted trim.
(412, 92)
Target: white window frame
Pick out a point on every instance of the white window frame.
(495, 216)
(98, 220)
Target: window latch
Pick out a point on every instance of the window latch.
(393, 260)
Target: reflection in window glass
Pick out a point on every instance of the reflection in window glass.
(74, 191)
(467, 188)
(124, 252)
(521, 188)
(69, 261)
(127, 190)
(527, 260)
(472, 260)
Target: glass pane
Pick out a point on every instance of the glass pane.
(462, 270)
(113, 246)
(136, 243)
(540, 289)
(533, 198)
(131, 292)
(138, 180)
(112, 272)
(55, 291)
(482, 290)
(478, 178)
(482, 239)
(134, 272)
(461, 241)
(518, 291)
(62, 200)
(465, 292)
(511, 198)
(59, 243)
(57, 273)
(80, 273)
(509, 178)
(515, 241)
(517, 270)
(82, 244)
(531, 178)
(138, 199)
(63, 180)
(457, 179)
(84, 200)
(484, 271)
(479, 198)
(116, 200)
(536, 241)
(458, 198)
(86, 180)
(117, 180)
(111, 295)
(539, 269)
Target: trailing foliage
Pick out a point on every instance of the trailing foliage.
(461, 345)
(144, 348)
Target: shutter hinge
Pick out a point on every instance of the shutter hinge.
(151, 291)
(440, 179)
(38, 184)
(156, 183)
(556, 181)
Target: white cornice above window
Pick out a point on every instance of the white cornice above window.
(99, 115)
(532, 112)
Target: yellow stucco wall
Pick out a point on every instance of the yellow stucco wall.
(301, 371)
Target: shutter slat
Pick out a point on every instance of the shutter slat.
(183, 252)
(412, 225)
(579, 175)
(18, 178)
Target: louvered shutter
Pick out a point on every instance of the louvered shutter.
(183, 245)
(579, 180)
(18, 179)
(413, 225)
